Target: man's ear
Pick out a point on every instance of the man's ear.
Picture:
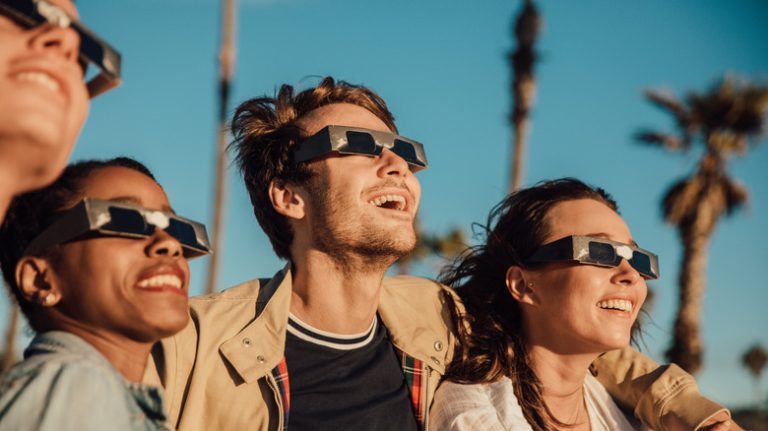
(519, 287)
(286, 199)
(35, 280)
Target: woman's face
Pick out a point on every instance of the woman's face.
(571, 312)
(44, 100)
(136, 288)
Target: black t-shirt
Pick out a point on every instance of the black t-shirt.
(340, 382)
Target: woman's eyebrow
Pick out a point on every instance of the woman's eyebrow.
(606, 236)
(135, 201)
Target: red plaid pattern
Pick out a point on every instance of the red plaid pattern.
(280, 373)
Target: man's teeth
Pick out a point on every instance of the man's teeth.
(39, 78)
(397, 199)
(616, 304)
(161, 280)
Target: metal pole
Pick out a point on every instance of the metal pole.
(226, 72)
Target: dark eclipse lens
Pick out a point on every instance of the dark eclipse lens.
(602, 253)
(406, 151)
(641, 262)
(361, 143)
(183, 232)
(128, 221)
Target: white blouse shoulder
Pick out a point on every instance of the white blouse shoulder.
(494, 407)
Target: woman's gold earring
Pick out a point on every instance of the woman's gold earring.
(49, 299)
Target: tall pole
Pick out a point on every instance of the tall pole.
(226, 72)
(522, 60)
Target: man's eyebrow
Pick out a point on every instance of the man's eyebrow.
(133, 200)
(606, 236)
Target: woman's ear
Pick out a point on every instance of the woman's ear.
(35, 281)
(286, 199)
(520, 288)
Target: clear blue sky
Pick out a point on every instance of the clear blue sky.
(441, 67)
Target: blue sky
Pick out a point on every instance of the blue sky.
(441, 67)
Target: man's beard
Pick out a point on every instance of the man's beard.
(340, 232)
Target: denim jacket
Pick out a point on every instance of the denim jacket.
(64, 383)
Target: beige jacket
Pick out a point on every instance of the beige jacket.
(217, 372)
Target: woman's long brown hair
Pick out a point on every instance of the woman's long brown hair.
(491, 335)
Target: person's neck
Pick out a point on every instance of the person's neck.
(128, 356)
(562, 380)
(336, 294)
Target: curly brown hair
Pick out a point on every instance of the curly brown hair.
(264, 129)
(492, 341)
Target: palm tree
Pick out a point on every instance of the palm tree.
(723, 121)
(226, 73)
(755, 359)
(522, 60)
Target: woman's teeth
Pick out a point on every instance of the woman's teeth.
(397, 202)
(161, 280)
(41, 78)
(616, 304)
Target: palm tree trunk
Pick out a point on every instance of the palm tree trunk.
(9, 352)
(686, 349)
(226, 72)
(522, 60)
(521, 126)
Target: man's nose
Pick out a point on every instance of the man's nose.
(392, 164)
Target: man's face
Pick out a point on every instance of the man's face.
(44, 100)
(359, 204)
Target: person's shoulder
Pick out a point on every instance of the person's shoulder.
(244, 294)
(501, 387)
(70, 384)
(59, 364)
(247, 291)
(418, 293)
(408, 285)
(487, 406)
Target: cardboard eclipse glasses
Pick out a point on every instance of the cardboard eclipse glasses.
(93, 49)
(355, 140)
(597, 251)
(110, 218)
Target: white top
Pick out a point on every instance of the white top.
(494, 407)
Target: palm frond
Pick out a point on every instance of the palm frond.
(737, 107)
(736, 195)
(681, 200)
(668, 141)
(666, 101)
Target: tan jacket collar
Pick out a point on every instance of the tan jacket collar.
(414, 325)
(260, 346)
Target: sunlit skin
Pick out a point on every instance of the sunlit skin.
(565, 329)
(39, 122)
(96, 280)
(343, 244)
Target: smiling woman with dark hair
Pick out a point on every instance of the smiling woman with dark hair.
(98, 264)
(558, 282)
